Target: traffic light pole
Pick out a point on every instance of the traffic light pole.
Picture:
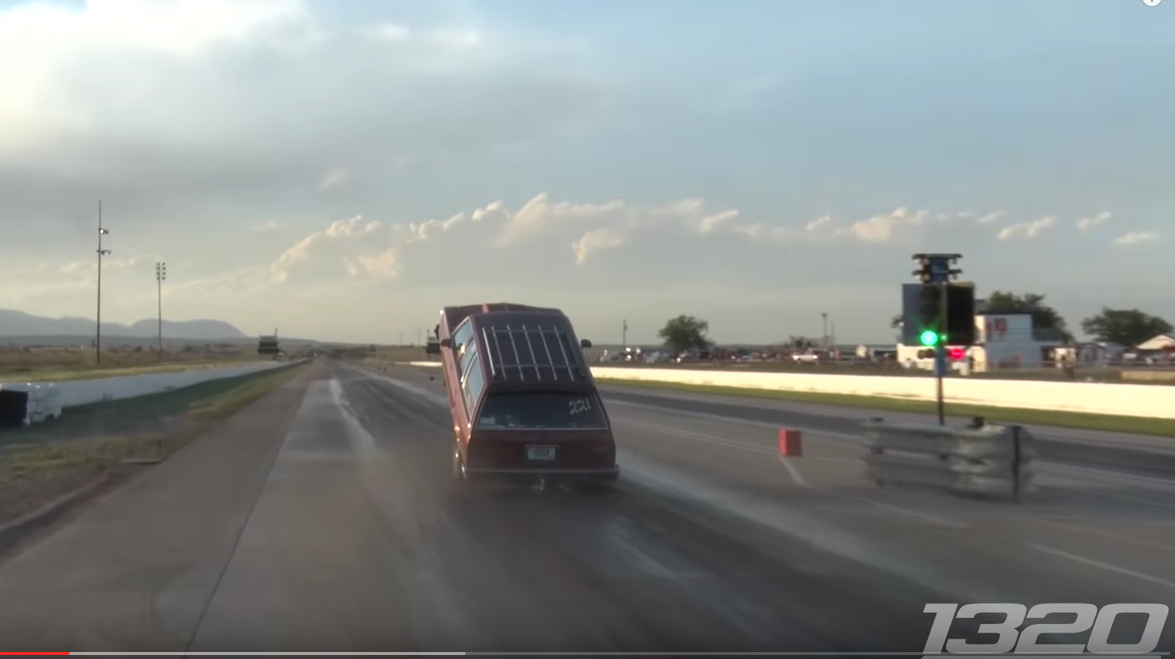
(940, 362)
(937, 271)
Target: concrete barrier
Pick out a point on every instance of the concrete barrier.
(1137, 400)
(48, 399)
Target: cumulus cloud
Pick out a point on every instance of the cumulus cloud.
(596, 240)
(988, 218)
(591, 228)
(332, 240)
(540, 215)
(714, 222)
(333, 179)
(1027, 230)
(176, 103)
(1137, 237)
(1086, 223)
(881, 228)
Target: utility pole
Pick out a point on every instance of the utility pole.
(401, 337)
(160, 275)
(101, 253)
(824, 337)
(624, 334)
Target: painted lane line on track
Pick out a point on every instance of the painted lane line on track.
(1121, 537)
(798, 477)
(1105, 566)
(914, 513)
(1119, 477)
(1148, 502)
(793, 472)
(1137, 481)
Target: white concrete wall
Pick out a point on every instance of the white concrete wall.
(48, 399)
(1152, 401)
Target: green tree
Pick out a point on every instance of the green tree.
(799, 343)
(685, 333)
(1043, 316)
(1124, 327)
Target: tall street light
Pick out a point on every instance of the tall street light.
(160, 275)
(101, 253)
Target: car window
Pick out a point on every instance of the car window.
(541, 411)
(472, 384)
(465, 344)
(467, 356)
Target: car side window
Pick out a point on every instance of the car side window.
(472, 384)
(462, 335)
(465, 345)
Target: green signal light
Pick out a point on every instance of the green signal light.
(929, 338)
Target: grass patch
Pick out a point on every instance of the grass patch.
(34, 473)
(1104, 422)
(64, 373)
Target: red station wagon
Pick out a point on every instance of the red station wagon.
(523, 401)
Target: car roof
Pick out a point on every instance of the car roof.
(455, 315)
(531, 349)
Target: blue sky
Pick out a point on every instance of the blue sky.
(228, 138)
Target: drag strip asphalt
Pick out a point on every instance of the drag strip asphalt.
(1084, 448)
(322, 519)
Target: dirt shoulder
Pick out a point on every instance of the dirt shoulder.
(108, 442)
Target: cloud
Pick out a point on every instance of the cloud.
(681, 208)
(108, 263)
(1027, 230)
(596, 240)
(265, 228)
(337, 240)
(1086, 223)
(372, 249)
(988, 218)
(714, 222)
(540, 215)
(334, 179)
(880, 228)
(535, 238)
(1137, 238)
(189, 104)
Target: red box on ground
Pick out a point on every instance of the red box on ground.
(790, 443)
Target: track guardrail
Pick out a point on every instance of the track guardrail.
(993, 461)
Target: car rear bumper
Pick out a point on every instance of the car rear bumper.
(530, 474)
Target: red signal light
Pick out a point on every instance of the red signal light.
(957, 354)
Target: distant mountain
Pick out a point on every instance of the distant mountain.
(20, 324)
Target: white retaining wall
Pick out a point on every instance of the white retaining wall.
(1152, 401)
(47, 399)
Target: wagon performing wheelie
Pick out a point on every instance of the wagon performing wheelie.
(524, 404)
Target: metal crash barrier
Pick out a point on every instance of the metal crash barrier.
(979, 459)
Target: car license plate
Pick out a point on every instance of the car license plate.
(540, 453)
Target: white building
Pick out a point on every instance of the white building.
(1160, 342)
(1002, 341)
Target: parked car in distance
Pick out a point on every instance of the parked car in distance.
(523, 402)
